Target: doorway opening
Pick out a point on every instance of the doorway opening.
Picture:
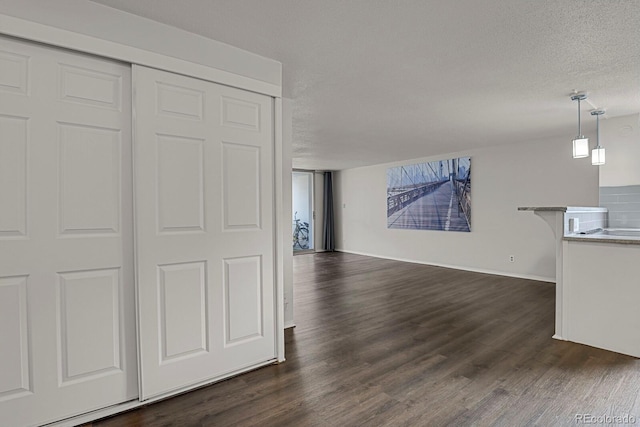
(302, 213)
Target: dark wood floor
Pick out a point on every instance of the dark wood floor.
(381, 342)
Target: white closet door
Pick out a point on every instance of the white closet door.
(205, 229)
(67, 323)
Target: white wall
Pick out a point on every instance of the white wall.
(620, 175)
(287, 153)
(537, 173)
(620, 136)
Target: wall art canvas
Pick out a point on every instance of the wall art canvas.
(430, 196)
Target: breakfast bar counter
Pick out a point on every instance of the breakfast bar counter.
(597, 279)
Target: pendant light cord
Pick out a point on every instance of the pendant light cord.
(598, 131)
(579, 133)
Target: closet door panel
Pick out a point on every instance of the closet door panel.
(66, 234)
(204, 230)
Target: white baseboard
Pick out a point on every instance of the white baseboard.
(456, 267)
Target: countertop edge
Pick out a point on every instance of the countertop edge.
(573, 209)
(603, 239)
(543, 208)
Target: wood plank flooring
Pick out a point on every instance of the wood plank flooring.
(386, 343)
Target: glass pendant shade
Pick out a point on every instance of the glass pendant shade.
(597, 156)
(580, 142)
(580, 147)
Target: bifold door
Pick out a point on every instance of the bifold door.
(67, 323)
(205, 230)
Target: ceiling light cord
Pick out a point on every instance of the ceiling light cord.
(580, 142)
(579, 128)
(579, 96)
(598, 153)
(598, 131)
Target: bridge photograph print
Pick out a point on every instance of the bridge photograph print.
(430, 196)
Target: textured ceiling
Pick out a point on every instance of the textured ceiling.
(374, 81)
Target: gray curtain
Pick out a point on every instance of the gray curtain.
(328, 240)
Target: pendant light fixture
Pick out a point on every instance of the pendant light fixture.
(597, 154)
(580, 142)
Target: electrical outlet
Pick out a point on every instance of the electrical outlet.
(512, 258)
